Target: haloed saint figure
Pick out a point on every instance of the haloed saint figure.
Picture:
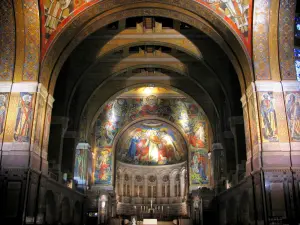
(3, 99)
(269, 117)
(24, 118)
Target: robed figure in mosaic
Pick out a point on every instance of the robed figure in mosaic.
(2, 112)
(269, 118)
(24, 118)
(293, 114)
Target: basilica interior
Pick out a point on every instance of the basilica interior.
(150, 112)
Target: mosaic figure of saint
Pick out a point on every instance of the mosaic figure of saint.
(197, 138)
(55, 12)
(104, 165)
(2, 112)
(150, 106)
(269, 118)
(24, 118)
(293, 114)
(132, 151)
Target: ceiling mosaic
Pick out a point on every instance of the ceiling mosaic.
(57, 13)
(151, 142)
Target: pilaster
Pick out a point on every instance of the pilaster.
(59, 126)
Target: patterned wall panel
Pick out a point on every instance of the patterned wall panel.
(32, 40)
(7, 40)
(286, 39)
(261, 39)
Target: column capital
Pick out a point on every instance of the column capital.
(60, 120)
(236, 120)
(217, 146)
(291, 85)
(5, 86)
(83, 146)
(24, 87)
(273, 86)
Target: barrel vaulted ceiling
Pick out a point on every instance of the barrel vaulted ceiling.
(124, 55)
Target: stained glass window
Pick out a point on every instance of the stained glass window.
(297, 62)
(297, 27)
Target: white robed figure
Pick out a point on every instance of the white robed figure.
(153, 142)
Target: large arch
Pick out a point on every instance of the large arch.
(50, 61)
(115, 115)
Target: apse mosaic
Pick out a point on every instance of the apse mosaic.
(184, 112)
(57, 13)
(151, 142)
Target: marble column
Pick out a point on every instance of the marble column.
(145, 186)
(182, 184)
(172, 186)
(132, 186)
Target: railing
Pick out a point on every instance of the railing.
(53, 176)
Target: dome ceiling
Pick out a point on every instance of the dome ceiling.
(151, 142)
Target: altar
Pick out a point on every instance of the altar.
(150, 222)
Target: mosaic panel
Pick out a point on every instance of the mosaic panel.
(151, 143)
(7, 40)
(32, 42)
(3, 111)
(261, 19)
(268, 116)
(184, 112)
(292, 101)
(46, 129)
(39, 119)
(103, 167)
(56, 14)
(199, 167)
(286, 38)
(24, 118)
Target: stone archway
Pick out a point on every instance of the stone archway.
(161, 10)
(51, 212)
(244, 209)
(77, 211)
(65, 208)
(231, 211)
